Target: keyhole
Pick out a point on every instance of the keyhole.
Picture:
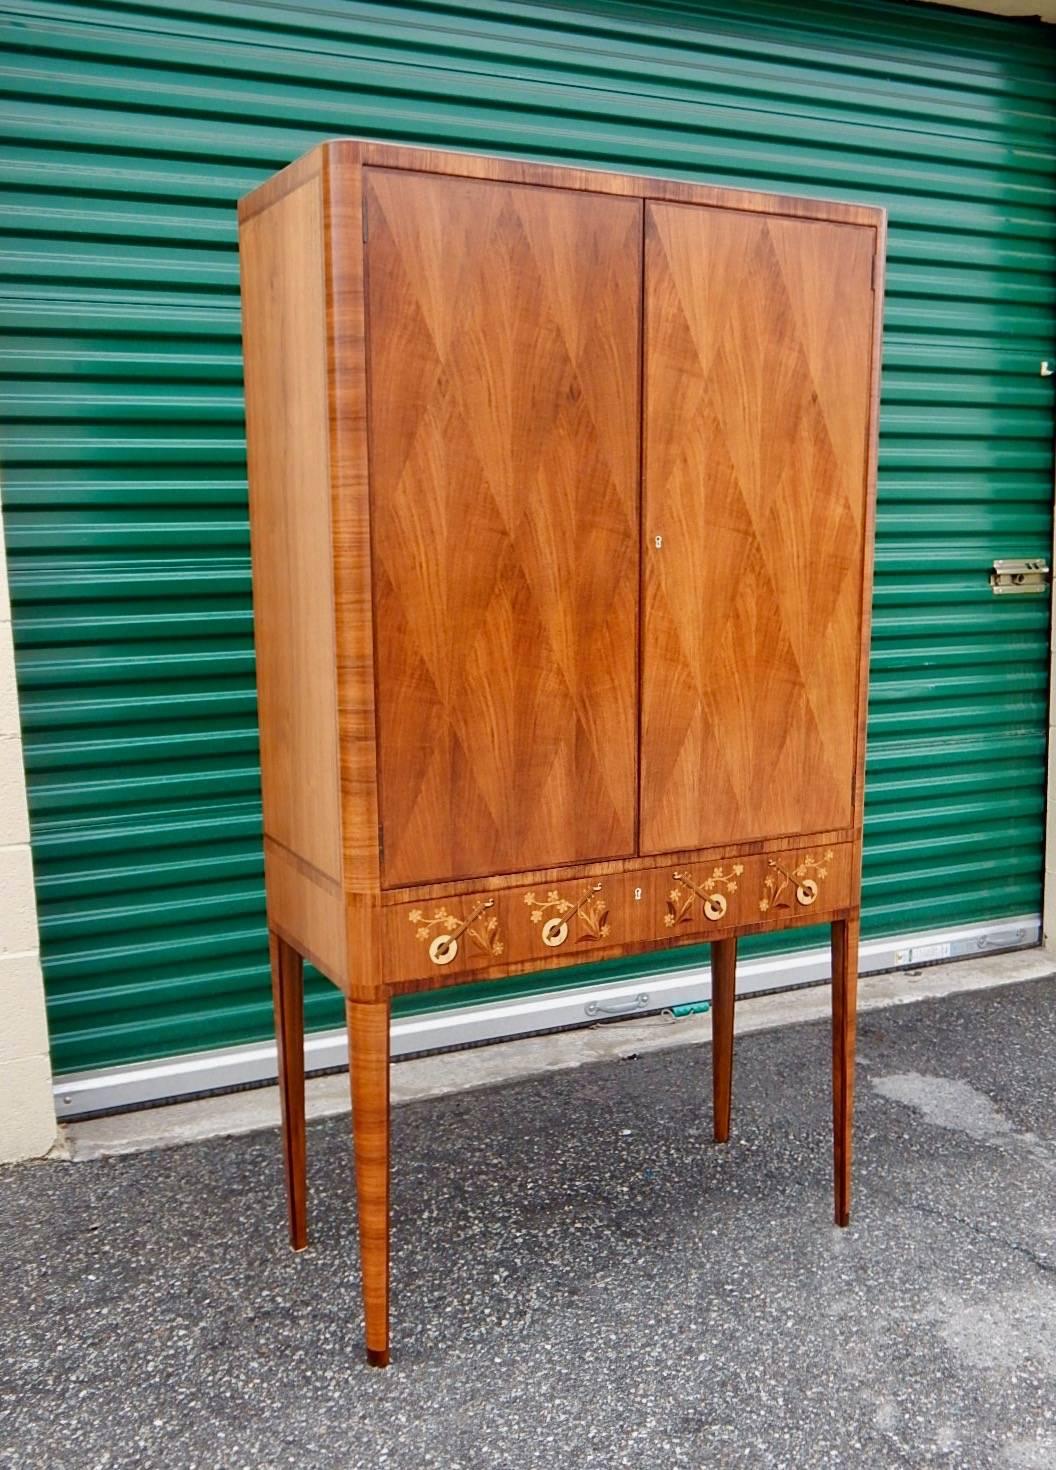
(658, 541)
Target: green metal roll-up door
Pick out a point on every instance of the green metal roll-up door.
(130, 129)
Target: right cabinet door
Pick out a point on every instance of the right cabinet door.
(758, 345)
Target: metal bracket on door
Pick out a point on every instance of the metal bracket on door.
(1029, 576)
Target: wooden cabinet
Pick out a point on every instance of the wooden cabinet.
(561, 497)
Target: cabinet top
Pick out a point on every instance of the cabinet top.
(340, 155)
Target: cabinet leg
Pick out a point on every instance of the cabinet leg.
(723, 986)
(287, 989)
(844, 1017)
(368, 1058)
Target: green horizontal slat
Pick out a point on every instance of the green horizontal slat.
(130, 129)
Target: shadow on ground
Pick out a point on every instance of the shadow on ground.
(580, 1277)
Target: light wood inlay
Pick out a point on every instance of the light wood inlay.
(612, 913)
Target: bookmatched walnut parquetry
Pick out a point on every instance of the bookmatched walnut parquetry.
(561, 500)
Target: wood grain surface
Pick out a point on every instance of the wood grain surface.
(284, 344)
(592, 180)
(287, 988)
(659, 905)
(723, 988)
(350, 154)
(757, 379)
(504, 417)
(350, 529)
(570, 871)
(845, 937)
(368, 1062)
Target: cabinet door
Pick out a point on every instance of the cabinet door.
(758, 340)
(504, 413)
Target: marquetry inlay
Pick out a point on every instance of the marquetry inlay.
(803, 884)
(709, 891)
(479, 926)
(558, 915)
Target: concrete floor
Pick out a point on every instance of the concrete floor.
(580, 1277)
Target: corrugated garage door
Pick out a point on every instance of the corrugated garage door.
(130, 129)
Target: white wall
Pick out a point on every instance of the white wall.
(1041, 9)
(27, 1113)
(1048, 907)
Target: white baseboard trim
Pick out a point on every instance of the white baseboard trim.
(107, 1089)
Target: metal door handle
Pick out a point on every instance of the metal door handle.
(618, 1007)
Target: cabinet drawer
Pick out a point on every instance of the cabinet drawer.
(692, 901)
(567, 922)
(572, 920)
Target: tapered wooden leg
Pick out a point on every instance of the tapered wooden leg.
(723, 985)
(287, 988)
(368, 1058)
(844, 1017)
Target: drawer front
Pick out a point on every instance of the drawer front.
(573, 920)
(568, 922)
(694, 901)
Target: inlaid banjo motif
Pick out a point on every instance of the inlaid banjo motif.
(680, 899)
(778, 884)
(443, 946)
(592, 911)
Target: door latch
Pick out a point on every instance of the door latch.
(1031, 575)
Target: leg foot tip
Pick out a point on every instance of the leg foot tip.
(843, 1218)
(378, 1357)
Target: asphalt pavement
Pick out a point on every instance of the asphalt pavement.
(581, 1278)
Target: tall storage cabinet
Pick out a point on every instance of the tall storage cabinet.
(561, 498)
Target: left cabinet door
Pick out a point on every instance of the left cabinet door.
(503, 352)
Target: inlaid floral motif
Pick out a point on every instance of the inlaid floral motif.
(783, 890)
(556, 915)
(709, 891)
(485, 935)
(440, 918)
(482, 931)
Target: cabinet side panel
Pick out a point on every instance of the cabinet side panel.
(284, 339)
